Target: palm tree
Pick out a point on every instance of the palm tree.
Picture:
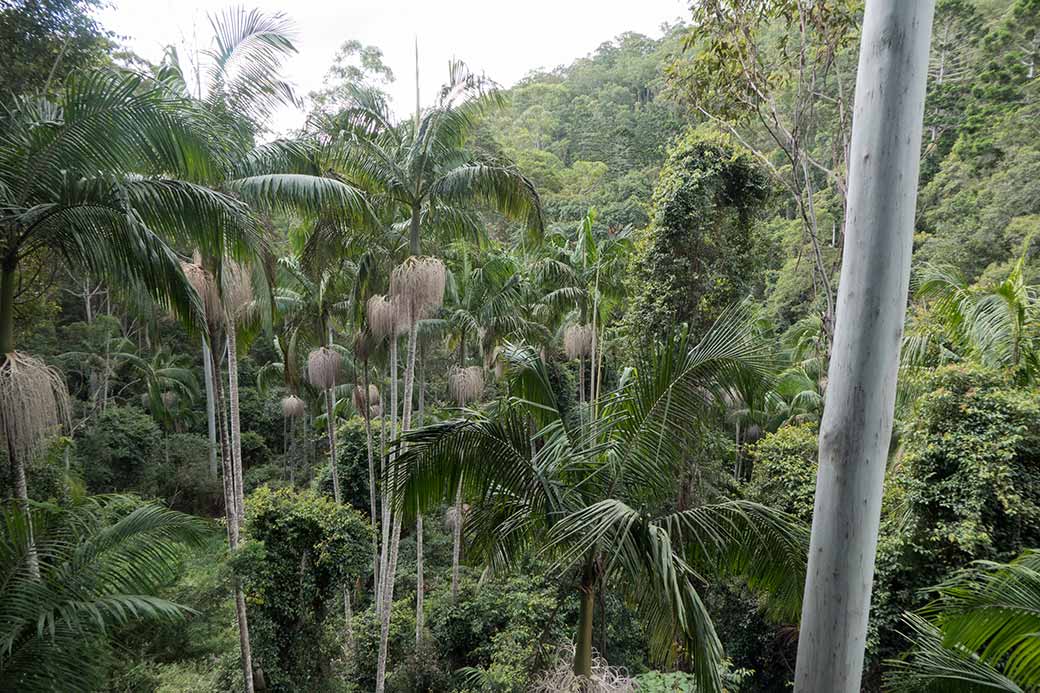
(598, 498)
(100, 562)
(979, 634)
(92, 177)
(420, 170)
(997, 324)
(585, 274)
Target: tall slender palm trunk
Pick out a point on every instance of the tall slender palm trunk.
(371, 482)
(420, 582)
(211, 409)
(586, 618)
(856, 429)
(236, 421)
(232, 515)
(388, 588)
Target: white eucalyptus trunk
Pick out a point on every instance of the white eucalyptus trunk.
(857, 421)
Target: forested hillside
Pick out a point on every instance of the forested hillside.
(521, 391)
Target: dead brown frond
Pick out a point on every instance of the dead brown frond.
(418, 285)
(292, 407)
(202, 281)
(238, 289)
(562, 679)
(383, 317)
(359, 399)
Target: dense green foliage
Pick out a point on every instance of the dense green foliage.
(621, 379)
(302, 550)
(699, 254)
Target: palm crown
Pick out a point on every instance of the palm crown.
(596, 495)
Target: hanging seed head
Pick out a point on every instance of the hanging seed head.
(577, 341)
(292, 407)
(466, 384)
(34, 403)
(364, 345)
(382, 316)
(359, 399)
(451, 514)
(323, 367)
(238, 289)
(169, 399)
(202, 281)
(418, 285)
(501, 367)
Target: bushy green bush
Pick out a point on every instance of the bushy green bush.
(965, 486)
(352, 464)
(301, 551)
(119, 452)
(784, 470)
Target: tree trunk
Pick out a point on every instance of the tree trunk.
(330, 428)
(456, 544)
(586, 614)
(420, 582)
(391, 571)
(371, 485)
(231, 514)
(857, 422)
(236, 421)
(211, 410)
(7, 287)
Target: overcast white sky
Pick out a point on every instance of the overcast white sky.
(504, 39)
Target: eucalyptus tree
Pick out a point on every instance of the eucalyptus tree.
(101, 563)
(599, 498)
(857, 422)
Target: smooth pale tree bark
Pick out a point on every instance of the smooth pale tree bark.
(420, 581)
(395, 539)
(369, 443)
(236, 421)
(231, 513)
(857, 421)
(211, 409)
(456, 544)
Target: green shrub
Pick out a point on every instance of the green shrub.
(302, 549)
(120, 452)
(965, 486)
(784, 470)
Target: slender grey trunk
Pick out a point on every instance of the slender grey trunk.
(420, 582)
(395, 541)
(857, 422)
(231, 513)
(236, 421)
(456, 544)
(211, 410)
(369, 443)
